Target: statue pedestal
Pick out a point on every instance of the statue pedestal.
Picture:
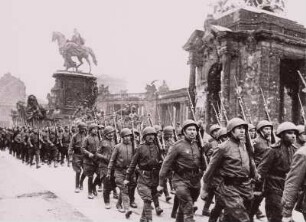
(72, 90)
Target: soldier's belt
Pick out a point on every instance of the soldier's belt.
(187, 171)
(235, 180)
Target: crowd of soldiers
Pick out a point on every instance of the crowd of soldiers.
(238, 167)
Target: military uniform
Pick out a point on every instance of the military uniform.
(147, 158)
(65, 140)
(120, 160)
(34, 148)
(273, 169)
(75, 149)
(53, 148)
(184, 158)
(103, 154)
(233, 163)
(295, 182)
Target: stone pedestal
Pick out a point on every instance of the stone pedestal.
(73, 90)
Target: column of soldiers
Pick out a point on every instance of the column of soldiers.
(238, 168)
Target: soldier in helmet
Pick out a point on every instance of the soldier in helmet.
(34, 149)
(185, 158)
(274, 167)
(119, 162)
(232, 161)
(301, 136)
(295, 186)
(169, 141)
(262, 144)
(104, 154)
(222, 135)
(148, 158)
(89, 148)
(209, 148)
(53, 147)
(75, 150)
(65, 139)
(252, 131)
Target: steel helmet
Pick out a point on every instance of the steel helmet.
(82, 125)
(233, 123)
(168, 130)
(92, 126)
(157, 128)
(125, 132)
(136, 132)
(222, 132)
(285, 126)
(189, 122)
(108, 129)
(300, 128)
(148, 130)
(263, 123)
(251, 126)
(213, 128)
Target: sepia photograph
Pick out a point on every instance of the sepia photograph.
(153, 110)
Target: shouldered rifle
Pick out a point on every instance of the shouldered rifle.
(157, 141)
(174, 130)
(249, 144)
(302, 109)
(303, 81)
(216, 114)
(223, 110)
(116, 130)
(133, 138)
(273, 140)
(199, 136)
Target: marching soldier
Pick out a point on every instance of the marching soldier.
(64, 140)
(301, 136)
(34, 149)
(119, 162)
(103, 154)
(148, 159)
(53, 150)
(232, 161)
(75, 150)
(184, 158)
(262, 144)
(274, 167)
(209, 148)
(295, 186)
(89, 149)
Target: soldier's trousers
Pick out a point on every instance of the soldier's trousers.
(124, 190)
(236, 200)
(52, 154)
(273, 206)
(64, 153)
(107, 184)
(33, 151)
(148, 194)
(186, 196)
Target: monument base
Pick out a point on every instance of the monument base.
(73, 90)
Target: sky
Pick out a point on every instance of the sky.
(137, 40)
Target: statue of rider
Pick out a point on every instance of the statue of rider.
(77, 38)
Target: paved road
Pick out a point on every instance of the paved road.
(47, 194)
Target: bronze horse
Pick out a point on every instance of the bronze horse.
(69, 49)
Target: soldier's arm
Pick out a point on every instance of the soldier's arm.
(266, 163)
(214, 164)
(99, 152)
(84, 146)
(294, 182)
(71, 144)
(167, 164)
(133, 164)
(29, 141)
(113, 159)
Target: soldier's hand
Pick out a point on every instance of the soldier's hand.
(287, 219)
(90, 155)
(126, 182)
(160, 189)
(204, 194)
